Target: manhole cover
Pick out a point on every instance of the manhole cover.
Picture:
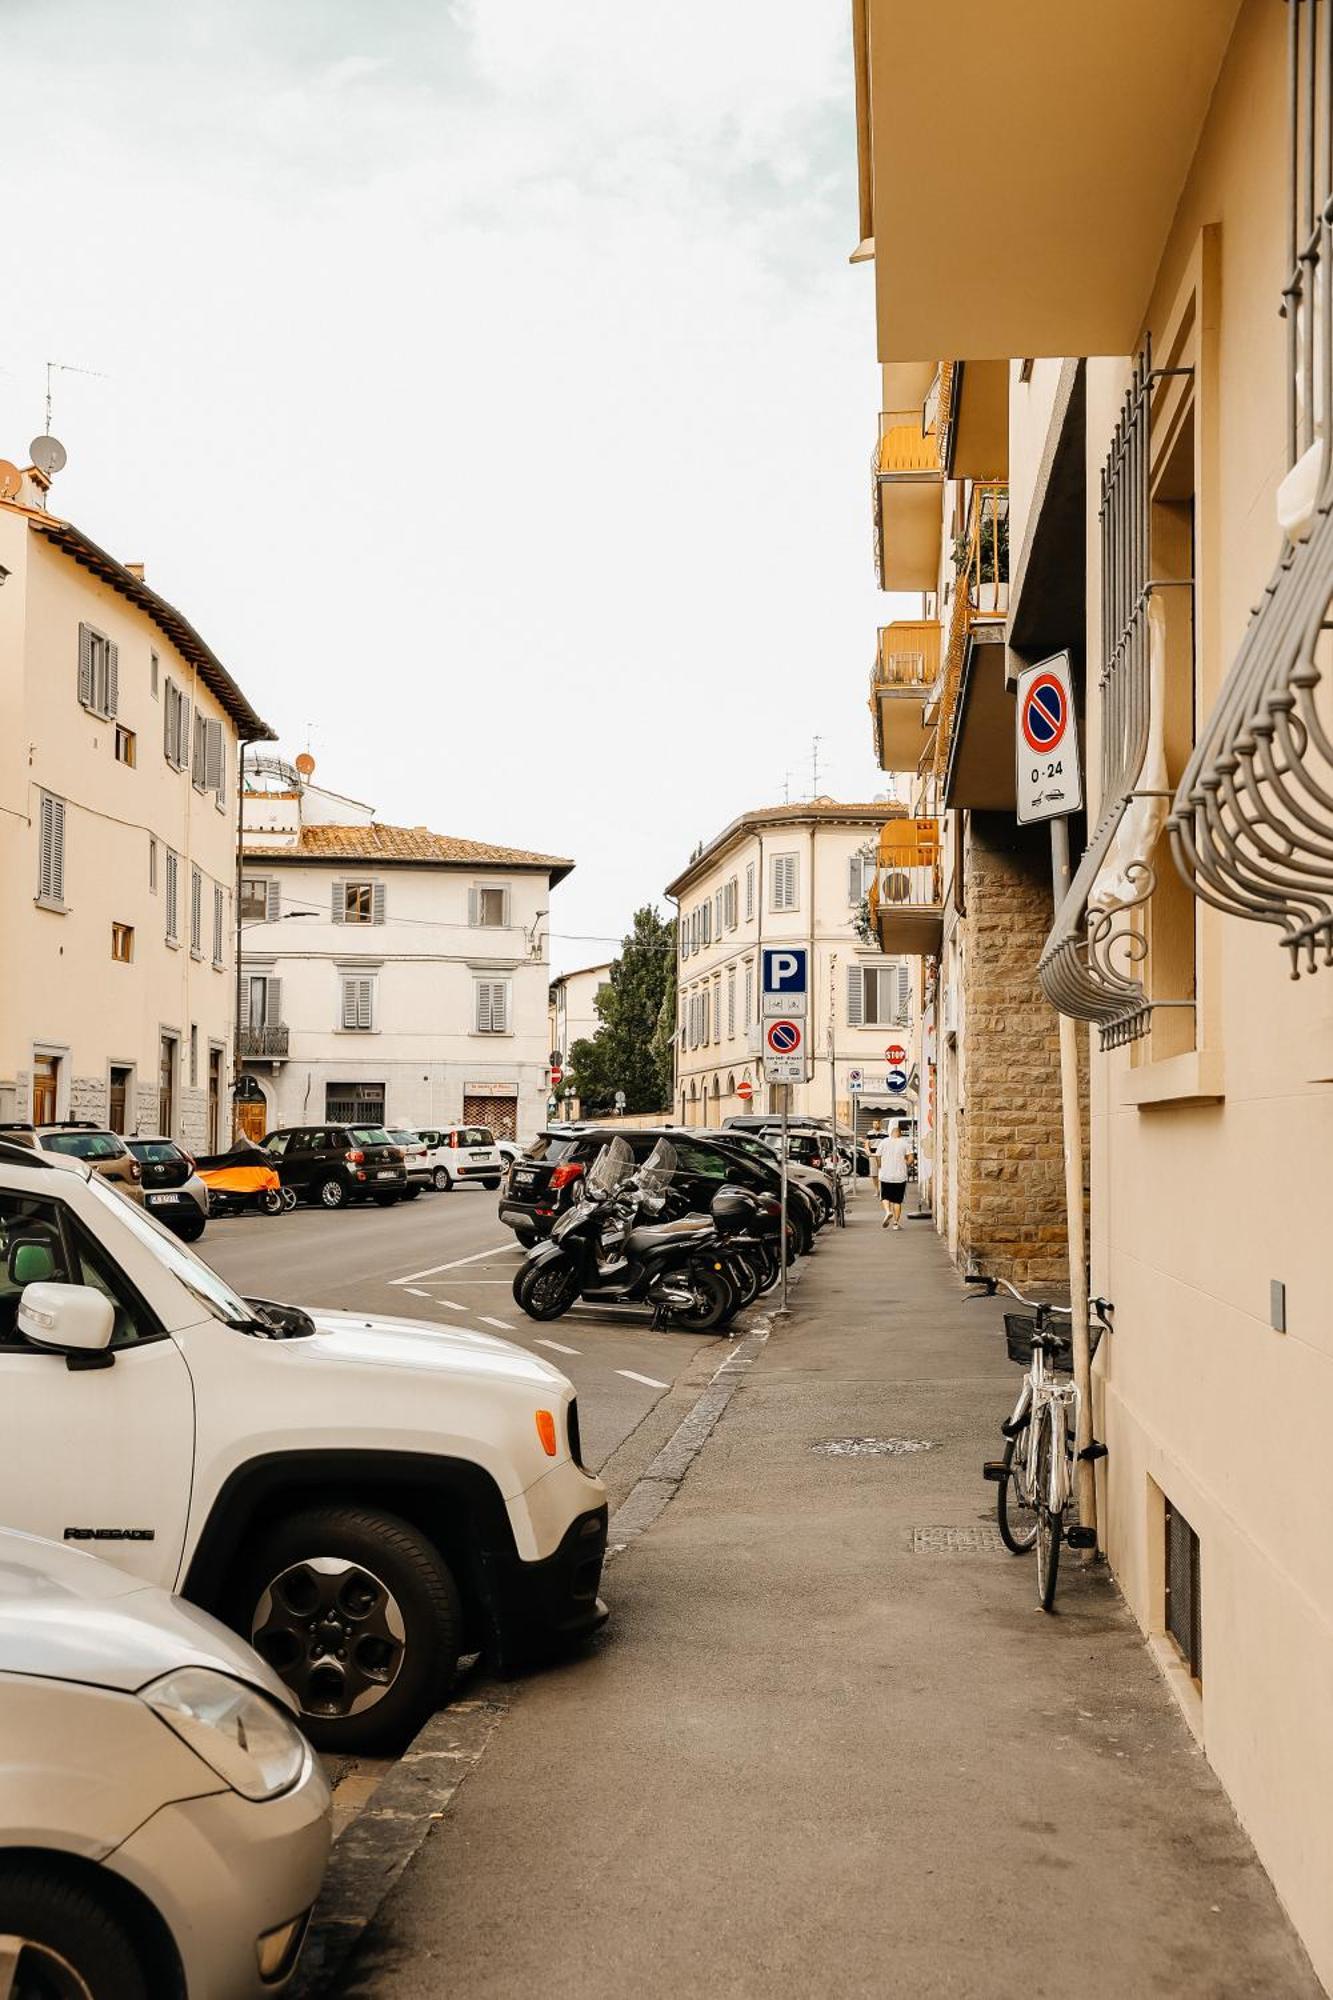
(867, 1447)
(955, 1541)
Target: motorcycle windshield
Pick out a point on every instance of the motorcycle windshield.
(657, 1171)
(614, 1164)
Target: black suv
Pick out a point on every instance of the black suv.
(334, 1164)
(549, 1175)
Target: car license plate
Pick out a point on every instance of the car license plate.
(525, 1179)
(386, 1174)
(156, 1200)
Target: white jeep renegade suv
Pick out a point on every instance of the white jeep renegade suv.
(364, 1499)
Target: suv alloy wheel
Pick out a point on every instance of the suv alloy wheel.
(330, 1193)
(443, 1180)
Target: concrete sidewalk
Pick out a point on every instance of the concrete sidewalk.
(822, 1751)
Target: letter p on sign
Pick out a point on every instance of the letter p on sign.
(784, 969)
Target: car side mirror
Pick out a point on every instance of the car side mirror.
(75, 1320)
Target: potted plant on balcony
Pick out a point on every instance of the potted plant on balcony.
(988, 570)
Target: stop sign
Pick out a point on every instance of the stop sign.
(556, 1073)
(895, 1053)
(745, 1090)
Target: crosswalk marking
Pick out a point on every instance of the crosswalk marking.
(648, 1381)
(556, 1346)
(505, 1326)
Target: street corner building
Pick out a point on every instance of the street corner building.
(120, 737)
(388, 974)
(791, 874)
(1103, 452)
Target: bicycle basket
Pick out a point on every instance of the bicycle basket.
(1019, 1329)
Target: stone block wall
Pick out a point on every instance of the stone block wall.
(1011, 1197)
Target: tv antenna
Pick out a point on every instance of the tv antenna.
(64, 368)
(815, 742)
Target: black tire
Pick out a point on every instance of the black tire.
(545, 1291)
(1048, 1524)
(190, 1232)
(329, 1193)
(1016, 1521)
(74, 1948)
(412, 1190)
(389, 1565)
(442, 1180)
(390, 1200)
(766, 1259)
(744, 1277)
(720, 1303)
(270, 1201)
(491, 1184)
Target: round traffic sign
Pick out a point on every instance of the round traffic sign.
(556, 1073)
(895, 1080)
(895, 1053)
(745, 1089)
(784, 1037)
(1045, 714)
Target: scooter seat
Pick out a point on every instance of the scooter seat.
(654, 1235)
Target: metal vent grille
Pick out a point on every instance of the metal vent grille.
(1183, 1608)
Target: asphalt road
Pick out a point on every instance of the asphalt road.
(447, 1258)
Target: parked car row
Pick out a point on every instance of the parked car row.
(344, 1506)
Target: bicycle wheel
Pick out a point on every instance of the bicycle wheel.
(1048, 1521)
(1015, 1514)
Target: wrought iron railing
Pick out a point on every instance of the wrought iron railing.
(981, 593)
(907, 874)
(261, 1044)
(1252, 822)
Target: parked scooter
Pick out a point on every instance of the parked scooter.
(600, 1251)
(243, 1178)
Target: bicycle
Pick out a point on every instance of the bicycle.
(1035, 1477)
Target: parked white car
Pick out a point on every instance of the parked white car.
(462, 1153)
(164, 1824)
(416, 1158)
(365, 1499)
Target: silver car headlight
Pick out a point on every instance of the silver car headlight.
(252, 1745)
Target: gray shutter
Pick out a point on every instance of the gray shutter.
(855, 995)
(182, 730)
(904, 991)
(339, 902)
(272, 900)
(198, 752)
(196, 909)
(213, 752)
(169, 721)
(473, 907)
(501, 1007)
(112, 678)
(85, 666)
(504, 906)
(272, 1003)
(854, 875)
(217, 925)
(377, 902)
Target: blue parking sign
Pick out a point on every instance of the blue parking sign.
(784, 969)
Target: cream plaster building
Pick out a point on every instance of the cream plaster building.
(574, 1018)
(388, 973)
(119, 731)
(787, 874)
(1162, 185)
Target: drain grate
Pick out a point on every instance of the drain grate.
(869, 1447)
(955, 1541)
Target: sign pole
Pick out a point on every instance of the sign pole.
(1072, 1121)
(786, 1100)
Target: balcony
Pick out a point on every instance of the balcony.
(265, 1044)
(906, 897)
(975, 749)
(902, 682)
(908, 489)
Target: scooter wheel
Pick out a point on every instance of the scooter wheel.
(271, 1201)
(718, 1301)
(289, 1199)
(544, 1291)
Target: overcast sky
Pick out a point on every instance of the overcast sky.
(485, 380)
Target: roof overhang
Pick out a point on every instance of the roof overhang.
(981, 772)
(1048, 594)
(1026, 163)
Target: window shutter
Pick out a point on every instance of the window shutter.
(504, 906)
(500, 1004)
(197, 753)
(173, 869)
(169, 722)
(112, 678)
(854, 891)
(749, 993)
(152, 864)
(85, 666)
(855, 996)
(196, 909)
(213, 754)
(272, 900)
(474, 907)
(51, 849)
(749, 891)
(731, 1002)
(217, 925)
(377, 903)
(904, 991)
(272, 1003)
(339, 902)
(182, 730)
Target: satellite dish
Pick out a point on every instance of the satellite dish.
(10, 479)
(305, 764)
(48, 455)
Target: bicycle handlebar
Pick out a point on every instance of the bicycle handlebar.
(1099, 1305)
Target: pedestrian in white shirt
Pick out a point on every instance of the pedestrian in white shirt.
(894, 1156)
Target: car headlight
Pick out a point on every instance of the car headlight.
(257, 1749)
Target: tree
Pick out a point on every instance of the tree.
(632, 1050)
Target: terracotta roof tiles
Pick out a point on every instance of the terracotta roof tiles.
(376, 842)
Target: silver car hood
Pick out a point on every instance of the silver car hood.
(68, 1616)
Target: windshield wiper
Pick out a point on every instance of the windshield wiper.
(280, 1322)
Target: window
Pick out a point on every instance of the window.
(717, 1010)
(133, 1321)
(749, 891)
(196, 913)
(171, 913)
(152, 864)
(860, 875)
(262, 999)
(358, 902)
(719, 910)
(51, 851)
(98, 673)
(122, 943)
(784, 882)
(733, 903)
(358, 1001)
(1183, 1609)
(354, 1103)
(488, 905)
(175, 726)
(121, 1084)
(259, 899)
(206, 763)
(126, 746)
(31, 1250)
(749, 991)
(154, 671)
(492, 1006)
(218, 923)
(194, 1054)
(877, 995)
(731, 1002)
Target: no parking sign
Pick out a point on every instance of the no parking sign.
(1049, 777)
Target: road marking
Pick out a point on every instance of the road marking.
(476, 1258)
(505, 1325)
(452, 1304)
(555, 1346)
(648, 1381)
(417, 1292)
